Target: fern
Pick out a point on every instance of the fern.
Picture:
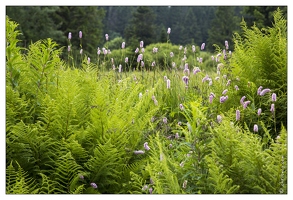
(136, 184)
(14, 60)
(160, 169)
(18, 181)
(238, 157)
(28, 145)
(219, 181)
(105, 167)
(268, 48)
(48, 186)
(65, 173)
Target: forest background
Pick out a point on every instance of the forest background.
(192, 24)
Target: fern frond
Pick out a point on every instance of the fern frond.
(67, 169)
(136, 184)
(48, 186)
(18, 181)
(105, 167)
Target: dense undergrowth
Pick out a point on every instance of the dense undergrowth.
(162, 129)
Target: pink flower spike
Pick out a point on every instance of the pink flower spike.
(141, 44)
(237, 115)
(211, 97)
(223, 98)
(168, 83)
(255, 128)
(242, 100)
(202, 46)
(274, 97)
(80, 34)
(259, 90)
(146, 146)
(138, 152)
(185, 79)
(259, 111)
(272, 108)
(169, 31)
(226, 44)
(151, 190)
(225, 91)
(69, 36)
(219, 118)
(94, 185)
(164, 120)
(263, 92)
(123, 45)
(193, 48)
(245, 104)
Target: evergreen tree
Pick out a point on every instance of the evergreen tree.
(222, 28)
(87, 19)
(141, 27)
(261, 16)
(176, 16)
(35, 23)
(191, 28)
(117, 17)
(204, 16)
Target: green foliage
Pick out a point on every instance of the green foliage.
(223, 26)
(261, 57)
(91, 130)
(239, 164)
(18, 181)
(141, 27)
(36, 23)
(261, 16)
(14, 60)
